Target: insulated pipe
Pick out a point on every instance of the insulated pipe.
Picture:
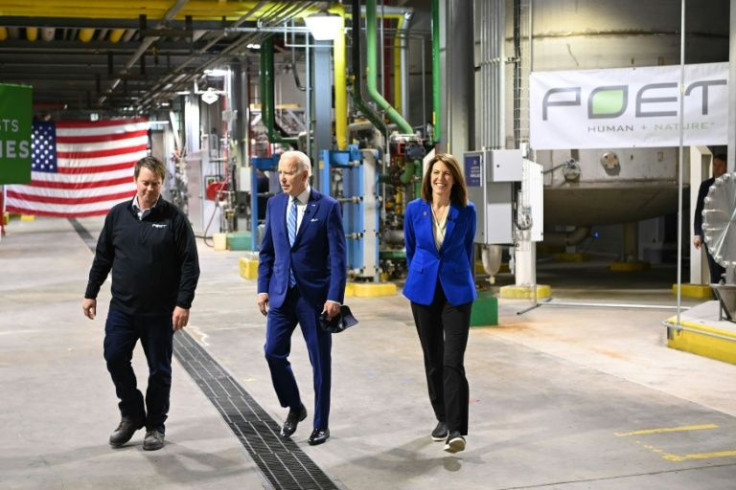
(436, 96)
(404, 62)
(341, 91)
(397, 68)
(401, 64)
(367, 111)
(371, 71)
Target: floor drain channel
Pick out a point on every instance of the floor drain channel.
(282, 462)
(86, 237)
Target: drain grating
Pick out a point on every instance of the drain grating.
(85, 235)
(282, 462)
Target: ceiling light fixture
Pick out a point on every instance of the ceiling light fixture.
(324, 26)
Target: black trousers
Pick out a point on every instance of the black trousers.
(715, 269)
(122, 331)
(443, 332)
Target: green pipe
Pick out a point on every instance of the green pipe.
(408, 172)
(372, 73)
(367, 110)
(436, 80)
(268, 104)
(418, 170)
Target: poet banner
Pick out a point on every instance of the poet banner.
(629, 107)
(16, 115)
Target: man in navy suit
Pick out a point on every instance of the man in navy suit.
(301, 273)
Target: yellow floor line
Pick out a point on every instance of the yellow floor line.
(688, 457)
(663, 430)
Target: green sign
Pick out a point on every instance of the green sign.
(15, 133)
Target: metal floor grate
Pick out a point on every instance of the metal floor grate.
(85, 235)
(282, 462)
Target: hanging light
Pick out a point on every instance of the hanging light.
(324, 26)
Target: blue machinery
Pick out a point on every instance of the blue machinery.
(349, 176)
(355, 188)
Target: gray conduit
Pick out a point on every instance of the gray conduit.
(602, 305)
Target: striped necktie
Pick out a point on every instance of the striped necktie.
(291, 228)
(291, 221)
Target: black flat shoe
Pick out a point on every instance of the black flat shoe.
(319, 436)
(292, 420)
(439, 433)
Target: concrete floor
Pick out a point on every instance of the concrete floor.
(561, 398)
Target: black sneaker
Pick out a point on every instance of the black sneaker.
(440, 432)
(154, 440)
(455, 442)
(125, 431)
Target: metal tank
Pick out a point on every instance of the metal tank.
(608, 185)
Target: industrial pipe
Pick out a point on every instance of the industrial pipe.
(372, 73)
(436, 96)
(367, 111)
(268, 104)
(341, 97)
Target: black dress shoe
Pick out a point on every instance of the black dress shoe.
(292, 420)
(440, 432)
(125, 431)
(319, 436)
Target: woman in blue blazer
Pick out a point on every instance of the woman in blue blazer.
(439, 229)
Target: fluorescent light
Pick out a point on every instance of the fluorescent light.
(217, 73)
(324, 26)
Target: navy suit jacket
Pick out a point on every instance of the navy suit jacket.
(700, 204)
(452, 263)
(317, 256)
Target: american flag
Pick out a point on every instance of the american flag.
(80, 168)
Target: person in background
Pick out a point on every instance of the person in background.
(302, 272)
(439, 230)
(149, 246)
(719, 168)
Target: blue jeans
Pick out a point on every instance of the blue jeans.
(156, 334)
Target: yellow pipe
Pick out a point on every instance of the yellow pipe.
(397, 66)
(86, 35)
(32, 33)
(154, 9)
(341, 90)
(116, 35)
(3, 34)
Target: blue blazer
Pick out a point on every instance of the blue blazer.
(317, 257)
(452, 263)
